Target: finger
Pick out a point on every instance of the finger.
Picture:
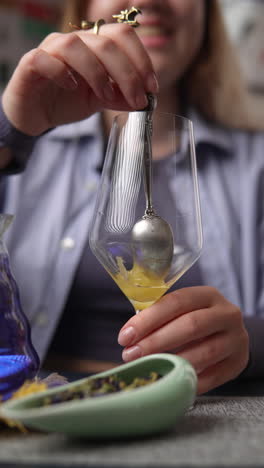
(118, 65)
(220, 373)
(182, 331)
(72, 51)
(171, 306)
(209, 351)
(99, 61)
(40, 64)
(128, 41)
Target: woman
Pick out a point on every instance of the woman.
(74, 308)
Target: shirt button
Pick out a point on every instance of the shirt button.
(41, 319)
(67, 243)
(90, 186)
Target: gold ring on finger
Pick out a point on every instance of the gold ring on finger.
(97, 25)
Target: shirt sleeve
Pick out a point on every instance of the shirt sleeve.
(19, 144)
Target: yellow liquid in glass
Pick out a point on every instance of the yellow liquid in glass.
(141, 289)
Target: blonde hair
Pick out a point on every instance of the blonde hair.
(213, 84)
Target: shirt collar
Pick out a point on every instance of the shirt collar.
(204, 132)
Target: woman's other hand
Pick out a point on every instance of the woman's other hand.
(71, 76)
(196, 323)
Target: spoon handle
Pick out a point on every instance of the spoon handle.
(148, 155)
(148, 168)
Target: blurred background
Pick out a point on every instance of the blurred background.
(24, 23)
(245, 22)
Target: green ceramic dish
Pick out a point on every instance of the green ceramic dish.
(142, 411)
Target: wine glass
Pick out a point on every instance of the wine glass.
(121, 202)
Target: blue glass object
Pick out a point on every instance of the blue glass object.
(18, 358)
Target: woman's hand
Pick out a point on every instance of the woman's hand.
(196, 323)
(70, 76)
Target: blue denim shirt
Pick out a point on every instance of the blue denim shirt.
(53, 200)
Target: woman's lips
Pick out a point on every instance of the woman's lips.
(153, 35)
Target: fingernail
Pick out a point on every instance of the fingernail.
(131, 353)
(152, 83)
(126, 336)
(109, 91)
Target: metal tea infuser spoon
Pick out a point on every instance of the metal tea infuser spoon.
(152, 237)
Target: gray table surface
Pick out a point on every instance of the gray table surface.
(218, 431)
